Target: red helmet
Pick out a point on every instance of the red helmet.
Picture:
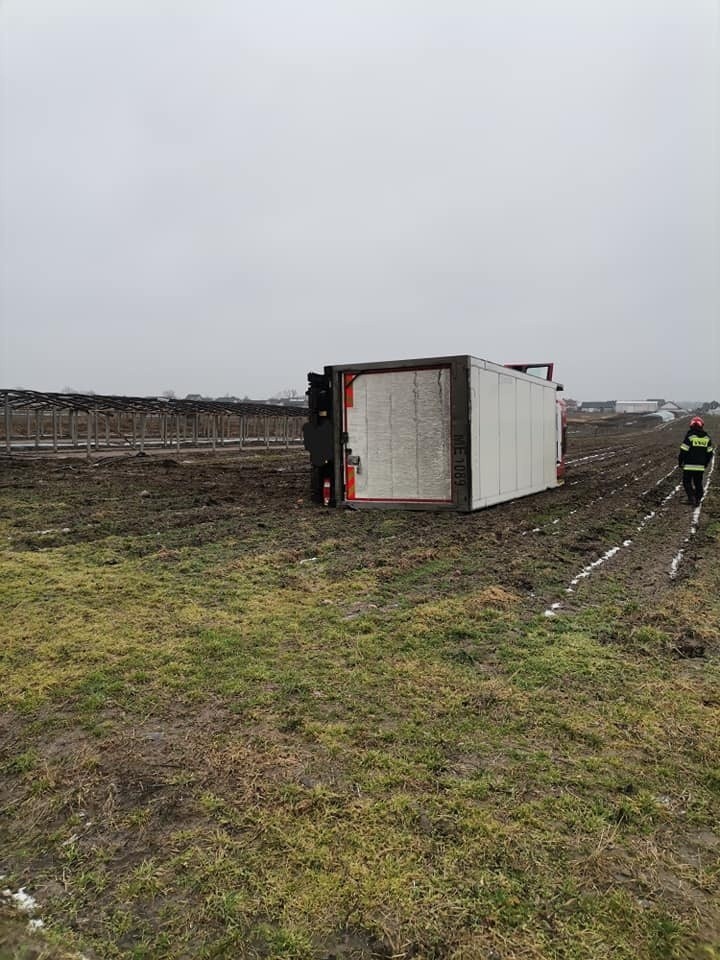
(697, 422)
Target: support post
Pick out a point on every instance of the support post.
(38, 427)
(177, 431)
(89, 432)
(8, 425)
(142, 433)
(55, 429)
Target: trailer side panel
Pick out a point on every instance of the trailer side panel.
(513, 434)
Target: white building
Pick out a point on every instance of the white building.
(636, 406)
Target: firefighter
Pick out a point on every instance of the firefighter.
(696, 452)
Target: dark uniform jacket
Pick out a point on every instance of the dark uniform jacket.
(696, 450)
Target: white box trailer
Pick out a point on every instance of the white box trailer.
(441, 433)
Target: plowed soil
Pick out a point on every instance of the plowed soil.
(623, 486)
(197, 668)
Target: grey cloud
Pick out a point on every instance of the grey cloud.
(221, 196)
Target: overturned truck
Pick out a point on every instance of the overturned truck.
(440, 433)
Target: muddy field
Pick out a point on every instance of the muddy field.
(621, 486)
(237, 724)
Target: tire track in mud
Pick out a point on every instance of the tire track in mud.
(611, 504)
(610, 554)
(604, 496)
(534, 546)
(647, 548)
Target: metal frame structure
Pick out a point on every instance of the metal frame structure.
(61, 422)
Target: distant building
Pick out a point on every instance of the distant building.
(672, 407)
(598, 406)
(636, 406)
(660, 401)
(287, 401)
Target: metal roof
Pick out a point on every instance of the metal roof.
(38, 400)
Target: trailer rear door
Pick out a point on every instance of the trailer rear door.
(397, 425)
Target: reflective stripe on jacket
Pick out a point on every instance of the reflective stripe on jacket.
(696, 450)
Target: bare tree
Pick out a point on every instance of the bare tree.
(289, 394)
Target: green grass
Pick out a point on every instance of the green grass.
(215, 750)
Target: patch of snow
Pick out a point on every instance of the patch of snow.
(309, 560)
(23, 901)
(658, 482)
(646, 519)
(591, 456)
(676, 561)
(672, 493)
(586, 571)
(35, 924)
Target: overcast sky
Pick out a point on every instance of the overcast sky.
(217, 197)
